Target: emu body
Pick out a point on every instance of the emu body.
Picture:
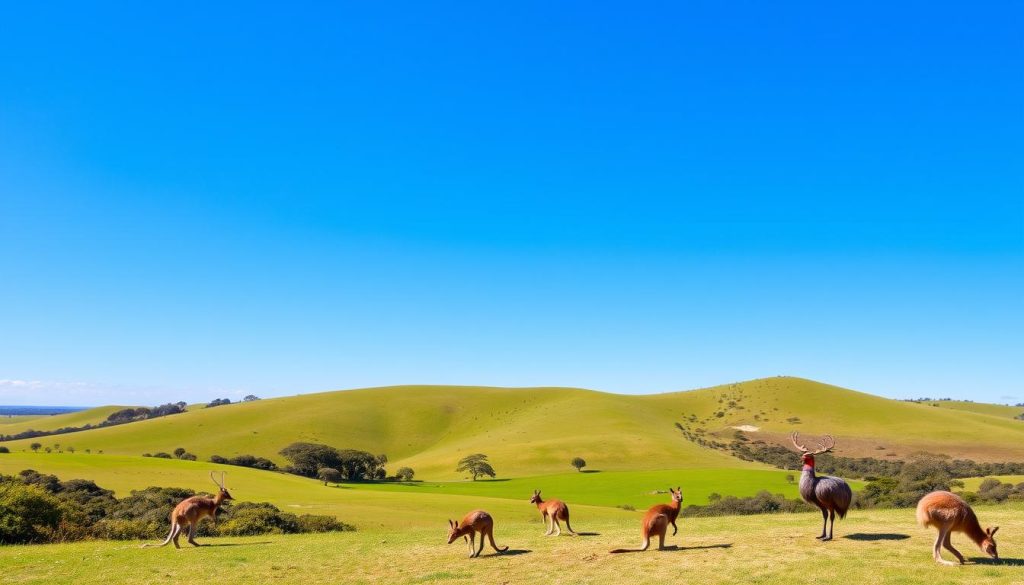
(554, 510)
(831, 495)
(949, 513)
(474, 522)
(655, 522)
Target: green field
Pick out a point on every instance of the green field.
(92, 416)
(536, 431)
(871, 547)
(1000, 410)
(421, 503)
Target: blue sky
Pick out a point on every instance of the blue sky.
(640, 197)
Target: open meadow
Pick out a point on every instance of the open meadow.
(871, 547)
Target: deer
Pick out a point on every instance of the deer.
(191, 510)
(475, 521)
(831, 495)
(949, 513)
(555, 510)
(656, 521)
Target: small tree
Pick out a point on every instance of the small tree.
(476, 465)
(329, 475)
(790, 478)
(578, 463)
(250, 398)
(71, 448)
(35, 446)
(179, 452)
(404, 474)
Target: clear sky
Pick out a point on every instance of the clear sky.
(201, 201)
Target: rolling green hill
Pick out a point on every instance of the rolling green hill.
(1000, 410)
(91, 416)
(534, 431)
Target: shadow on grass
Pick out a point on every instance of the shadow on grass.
(590, 471)
(509, 553)
(879, 536)
(674, 548)
(588, 534)
(236, 544)
(996, 563)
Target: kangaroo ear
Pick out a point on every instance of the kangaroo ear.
(450, 523)
(992, 531)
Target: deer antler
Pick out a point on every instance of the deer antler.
(826, 444)
(220, 483)
(795, 437)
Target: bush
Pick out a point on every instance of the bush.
(308, 458)
(28, 513)
(163, 455)
(329, 475)
(404, 474)
(4, 449)
(317, 523)
(246, 461)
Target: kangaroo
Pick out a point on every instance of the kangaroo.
(475, 521)
(656, 521)
(555, 510)
(949, 513)
(189, 512)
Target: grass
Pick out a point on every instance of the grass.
(419, 503)
(971, 484)
(17, 424)
(536, 431)
(872, 547)
(1000, 410)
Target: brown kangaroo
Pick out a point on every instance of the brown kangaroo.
(191, 510)
(555, 510)
(656, 521)
(949, 513)
(475, 521)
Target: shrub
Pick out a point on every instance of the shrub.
(404, 474)
(4, 449)
(28, 513)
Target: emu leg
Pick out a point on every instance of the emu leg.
(824, 524)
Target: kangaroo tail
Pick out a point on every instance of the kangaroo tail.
(490, 537)
(170, 535)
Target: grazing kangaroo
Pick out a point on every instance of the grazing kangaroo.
(656, 521)
(191, 510)
(949, 513)
(554, 509)
(475, 521)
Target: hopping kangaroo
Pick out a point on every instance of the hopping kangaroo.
(554, 509)
(949, 513)
(656, 521)
(475, 521)
(191, 510)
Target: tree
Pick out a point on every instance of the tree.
(404, 474)
(328, 474)
(578, 463)
(250, 398)
(476, 465)
(4, 449)
(790, 478)
(179, 452)
(35, 446)
(71, 448)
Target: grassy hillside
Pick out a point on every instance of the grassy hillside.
(871, 548)
(91, 416)
(1000, 410)
(536, 431)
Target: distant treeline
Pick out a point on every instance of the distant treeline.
(120, 417)
(37, 508)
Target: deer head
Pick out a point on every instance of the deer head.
(536, 497)
(453, 531)
(677, 494)
(824, 446)
(989, 544)
(223, 492)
